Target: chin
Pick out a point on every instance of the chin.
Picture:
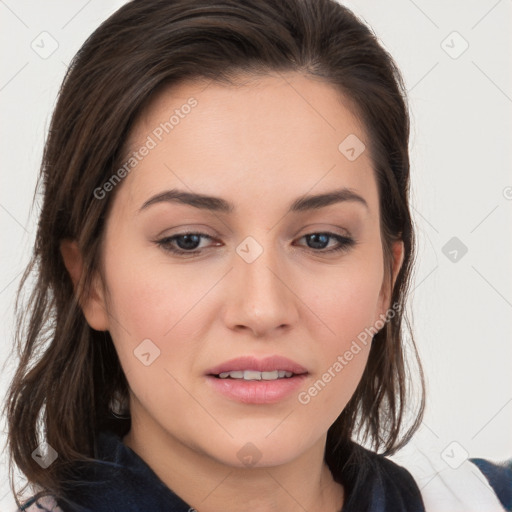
(260, 451)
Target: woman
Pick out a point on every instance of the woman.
(222, 261)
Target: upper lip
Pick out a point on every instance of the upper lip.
(267, 364)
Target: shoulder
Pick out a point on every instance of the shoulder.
(390, 473)
(375, 483)
(499, 476)
(457, 483)
(417, 479)
(42, 504)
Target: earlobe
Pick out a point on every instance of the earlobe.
(93, 302)
(397, 251)
(72, 260)
(398, 259)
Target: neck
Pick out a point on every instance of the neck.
(208, 485)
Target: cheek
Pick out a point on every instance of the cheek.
(150, 300)
(347, 306)
(329, 392)
(346, 298)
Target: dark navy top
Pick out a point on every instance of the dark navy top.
(120, 481)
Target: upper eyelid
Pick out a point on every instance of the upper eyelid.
(199, 230)
(213, 238)
(207, 235)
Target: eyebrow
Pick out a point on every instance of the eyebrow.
(217, 204)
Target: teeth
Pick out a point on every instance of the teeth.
(255, 375)
(252, 375)
(233, 375)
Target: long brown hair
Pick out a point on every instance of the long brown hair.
(68, 372)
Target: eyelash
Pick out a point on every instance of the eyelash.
(346, 243)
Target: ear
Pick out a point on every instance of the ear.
(93, 303)
(397, 253)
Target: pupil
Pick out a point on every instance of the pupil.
(190, 241)
(319, 240)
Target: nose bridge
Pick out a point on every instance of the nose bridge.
(261, 300)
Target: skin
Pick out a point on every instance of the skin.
(259, 145)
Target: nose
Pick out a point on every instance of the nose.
(260, 299)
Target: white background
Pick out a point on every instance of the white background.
(462, 187)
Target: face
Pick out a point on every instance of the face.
(189, 283)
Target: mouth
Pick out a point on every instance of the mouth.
(250, 380)
(256, 375)
(253, 368)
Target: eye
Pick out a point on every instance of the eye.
(189, 243)
(319, 241)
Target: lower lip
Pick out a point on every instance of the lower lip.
(257, 391)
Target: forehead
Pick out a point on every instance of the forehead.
(277, 133)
